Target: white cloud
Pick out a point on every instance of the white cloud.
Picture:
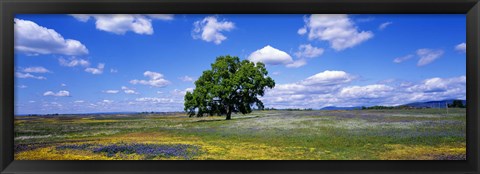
(337, 29)
(63, 84)
(297, 63)
(22, 86)
(107, 101)
(155, 79)
(177, 92)
(402, 59)
(329, 89)
(73, 62)
(113, 70)
(187, 79)
(369, 91)
(61, 93)
(312, 92)
(122, 23)
(270, 56)
(127, 90)
(439, 84)
(32, 39)
(130, 91)
(111, 91)
(210, 29)
(28, 75)
(98, 70)
(427, 56)
(81, 17)
(329, 78)
(154, 100)
(165, 17)
(36, 69)
(320, 83)
(384, 25)
(302, 31)
(79, 101)
(461, 47)
(308, 51)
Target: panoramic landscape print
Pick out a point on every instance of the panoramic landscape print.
(240, 87)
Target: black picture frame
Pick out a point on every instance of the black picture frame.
(8, 9)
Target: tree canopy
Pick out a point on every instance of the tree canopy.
(456, 104)
(229, 86)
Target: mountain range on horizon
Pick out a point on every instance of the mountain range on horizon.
(427, 104)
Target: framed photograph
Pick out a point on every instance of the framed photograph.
(224, 86)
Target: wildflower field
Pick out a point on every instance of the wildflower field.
(417, 134)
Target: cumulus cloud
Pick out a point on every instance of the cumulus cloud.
(302, 31)
(270, 56)
(130, 91)
(33, 39)
(427, 56)
(36, 69)
(111, 91)
(328, 89)
(337, 29)
(308, 51)
(439, 84)
(61, 93)
(297, 63)
(461, 47)
(329, 78)
(384, 25)
(127, 90)
(28, 75)
(402, 59)
(155, 79)
(210, 29)
(187, 79)
(98, 70)
(320, 83)
(177, 92)
(369, 91)
(73, 62)
(154, 100)
(107, 101)
(122, 23)
(165, 17)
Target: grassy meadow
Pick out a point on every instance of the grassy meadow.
(416, 134)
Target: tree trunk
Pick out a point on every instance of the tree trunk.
(229, 113)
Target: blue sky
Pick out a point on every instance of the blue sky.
(118, 63)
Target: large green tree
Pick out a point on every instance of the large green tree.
(230, 86)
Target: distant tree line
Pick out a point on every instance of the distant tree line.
(289, 109)
(456, 104)
(378, 107)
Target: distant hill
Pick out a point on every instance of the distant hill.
(341, 108)
(433, 104)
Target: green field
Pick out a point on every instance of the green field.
(419, 134)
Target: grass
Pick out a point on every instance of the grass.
(423, 134)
